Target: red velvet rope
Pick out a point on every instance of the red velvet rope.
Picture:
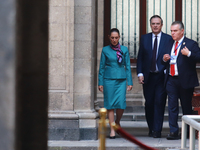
(129, 137)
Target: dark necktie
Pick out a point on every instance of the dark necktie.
(153, 62)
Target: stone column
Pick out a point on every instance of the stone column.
(23, 74)
(100, 36)
(63, 121)
(31, 74)
(85, 66)
(7, 74)
(72, 56)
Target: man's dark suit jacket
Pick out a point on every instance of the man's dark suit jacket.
(145, 54)
(186, 65)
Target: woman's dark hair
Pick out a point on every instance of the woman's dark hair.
(114, 30)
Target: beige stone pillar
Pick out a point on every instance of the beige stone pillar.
(63, 121)
(72, 70)
(85, 66)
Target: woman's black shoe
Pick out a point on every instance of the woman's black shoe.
(112, 137)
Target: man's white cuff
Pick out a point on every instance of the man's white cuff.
(189, 54)
(140, 74)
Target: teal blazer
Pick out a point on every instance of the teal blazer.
(109, 67)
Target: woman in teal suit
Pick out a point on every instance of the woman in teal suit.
(114, 76)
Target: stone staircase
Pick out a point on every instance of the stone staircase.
(133, 120)
(134, 123)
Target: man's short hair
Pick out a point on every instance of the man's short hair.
(181, 25)
(156, 16)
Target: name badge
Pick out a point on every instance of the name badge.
(173, 59)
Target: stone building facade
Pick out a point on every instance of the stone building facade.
(72, 69)
(76, 33)
(75, 44)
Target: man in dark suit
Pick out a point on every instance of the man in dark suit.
(181, 76)
(150, 71)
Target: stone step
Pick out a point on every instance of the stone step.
(119, 144)
(129, 102)
(138, 114)
(141, 109)
(140, 128)
(141, 117)
(136, 129)
(135, 109)
(134, 96)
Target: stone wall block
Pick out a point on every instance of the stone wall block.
(94, 18)
(100, 36)
(82, 102)
(100, 13)
(60, 101)
(69, 28)
(100, 21)
(69, 13)
(57, 66)
(83, 49)
(61, 129)
(56, 2)
(80, 2)
(88, 134)
(83, 67)
(87, 123)
(57, 15)
(94, 49)
(83, 15)
(57, 49)
(82, 84)
(70, 76)
(57, 82)
(56, 32)
(63, 123)
(55, 101)
(99, 57)
(57, 73)
(70, 50)
(93, 67)
(83, 32)
(69, 3)
(64, 134)
(68, 101)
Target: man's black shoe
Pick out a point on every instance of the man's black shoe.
(173, 136)
(150, 134)
(156, 134)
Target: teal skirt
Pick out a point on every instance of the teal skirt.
(114, 93)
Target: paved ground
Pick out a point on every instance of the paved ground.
(119, 144)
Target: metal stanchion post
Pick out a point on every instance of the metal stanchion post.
(102, 129)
